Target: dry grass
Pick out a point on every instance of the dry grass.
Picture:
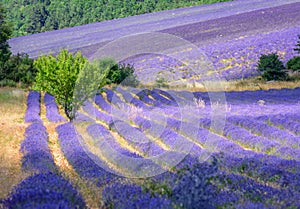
(90, 192)
(251, 84)
(12, 127)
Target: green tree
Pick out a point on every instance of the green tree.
(71, 79)
(294, 63)
(271, 67)
(122, 74)
(19, 69)
(37, 19)
(58, 75)
(5, 32)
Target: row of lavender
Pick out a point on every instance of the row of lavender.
(284, 144)
(239, 165)
(45, 187)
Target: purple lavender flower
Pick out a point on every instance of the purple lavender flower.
(52, 113)
(137, 138)
(46, 190)
(105, 139)
(33, 107)
(78, 156)
(37, 155)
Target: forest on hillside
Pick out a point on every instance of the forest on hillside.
(34, 16)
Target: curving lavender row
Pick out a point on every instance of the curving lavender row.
(260, 128)
(99, 100)
(52, 113)
(94, 112)
(137, 139)
(238, 135)
(104, 139)
(282, 121)
(33, 107)
(80, 158)
(36, 153)
(128, 97)
(44, 190)
(144, 97)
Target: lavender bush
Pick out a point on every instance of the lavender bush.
(45, 190)
(52, 113)
(33, 107)
(36, 153)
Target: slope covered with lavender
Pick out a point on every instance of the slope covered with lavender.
(256, 150)
(252, 160)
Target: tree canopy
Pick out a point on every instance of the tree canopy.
(5, 32)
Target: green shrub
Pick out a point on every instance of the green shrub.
(294, 63)
(19, 68)
(6, 82)
(122, 74)
(271, 67)
(161, 83)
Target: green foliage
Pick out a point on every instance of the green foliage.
(122, 74)
(19, 68)
(90, 80)
(5, 32)
(71, 79)
(298, 45)
(271, 67)
(156, 188)
(161, 83)
(58, 76)
(294, 63)
(13, 69)
(7, 82)
(33, 16)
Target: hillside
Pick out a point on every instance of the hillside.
(89, 37)
(232, 35)
(34, 16)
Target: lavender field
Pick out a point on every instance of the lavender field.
(135, 143)
(231, 34)
(176, 146)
